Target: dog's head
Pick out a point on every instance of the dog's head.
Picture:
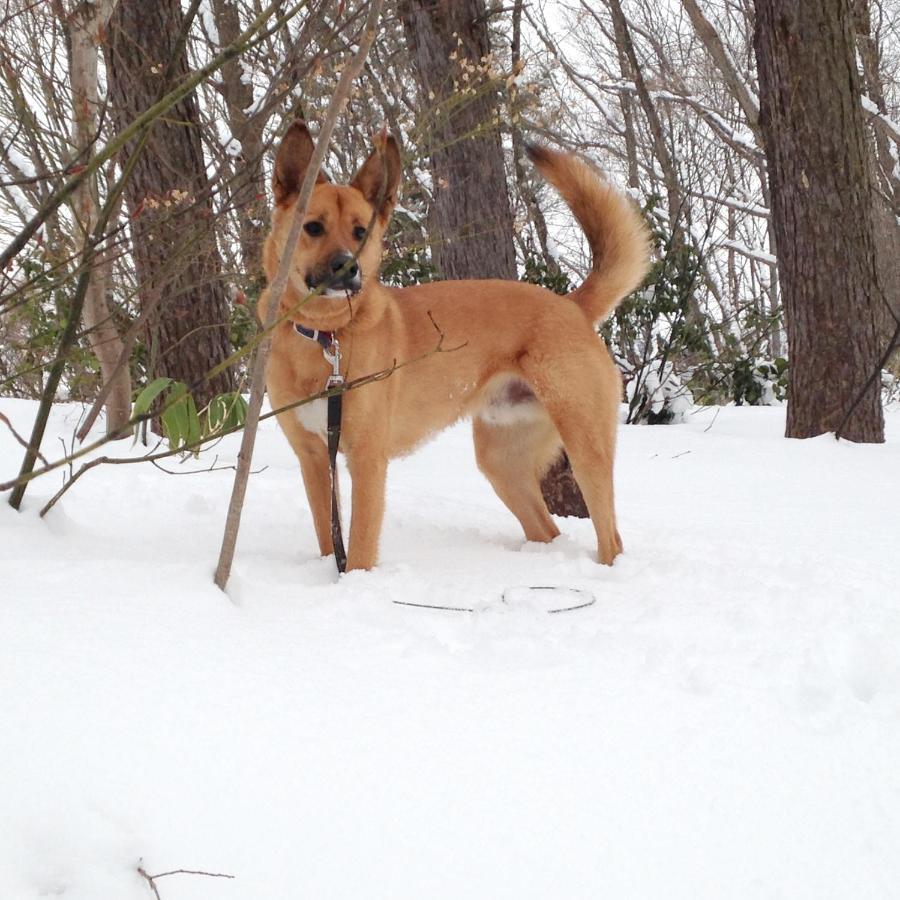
(339, 250)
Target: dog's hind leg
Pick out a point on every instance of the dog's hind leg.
(513, 457)
(580, 389)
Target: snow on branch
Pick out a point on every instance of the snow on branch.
(741, 141)
(744, 250)
(887, 125)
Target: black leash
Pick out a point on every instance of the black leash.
(335, 407)
(334, 438)
(332, 352)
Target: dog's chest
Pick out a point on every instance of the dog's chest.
(313, 416)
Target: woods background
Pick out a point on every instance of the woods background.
(133, 246)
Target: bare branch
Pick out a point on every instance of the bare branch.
(257, 378)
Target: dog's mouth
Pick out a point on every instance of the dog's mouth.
(334, 293)
(334, 285)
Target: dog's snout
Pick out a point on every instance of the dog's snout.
(344, 270)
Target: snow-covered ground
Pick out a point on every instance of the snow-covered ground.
(724, 721)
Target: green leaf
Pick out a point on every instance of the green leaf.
(226, 411)
(146, 397)
(217, 413)
(237, 415)
(194, 428)
(175, 418)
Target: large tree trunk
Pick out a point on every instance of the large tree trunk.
(173, 239)
(472, 221)
(819, 175)
(472, 217)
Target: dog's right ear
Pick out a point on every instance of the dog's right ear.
(292, 161)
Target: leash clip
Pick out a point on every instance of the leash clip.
(333, 355)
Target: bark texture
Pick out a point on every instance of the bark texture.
(247, 189)
(886, 177)
(819, 175)
(173, 240)
(472, 215)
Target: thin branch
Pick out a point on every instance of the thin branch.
(279, 285)
(195, 445)
(22, 440)
(151, 879)
(248, 39)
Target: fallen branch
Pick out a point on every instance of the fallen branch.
(151, 879)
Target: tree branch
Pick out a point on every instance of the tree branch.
(257, 378)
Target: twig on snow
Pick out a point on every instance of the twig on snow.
(151, 879)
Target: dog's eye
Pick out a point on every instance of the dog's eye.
(359, 232)
(314, 229)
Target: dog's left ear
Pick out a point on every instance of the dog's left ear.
(379, 176)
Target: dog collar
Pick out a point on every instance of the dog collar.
(324, 338)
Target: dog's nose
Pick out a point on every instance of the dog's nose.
(344, 270)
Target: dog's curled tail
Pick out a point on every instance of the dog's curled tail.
(618, 238)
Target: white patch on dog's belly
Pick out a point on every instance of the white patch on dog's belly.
(511, 413)
(513, 403)
(312, 417)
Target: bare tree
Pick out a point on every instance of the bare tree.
(168, 197)
(819, 175)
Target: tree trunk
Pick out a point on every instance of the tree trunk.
(886, 174)
(821, 189)
(472, 228)
(247, 190)
(472, 218)
(173, 239)
(83, 28)
(674, 197)
(524, 185)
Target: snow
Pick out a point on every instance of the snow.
(889, 125)
(724, 721)
(208, 17)
(233, 147)
(22, 163)
(744, 250)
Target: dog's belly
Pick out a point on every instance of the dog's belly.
(312, 416)
(511, 402)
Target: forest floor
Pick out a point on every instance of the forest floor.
(723, 722)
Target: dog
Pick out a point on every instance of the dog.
(525, 364)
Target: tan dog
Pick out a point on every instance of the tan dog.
(531, 371)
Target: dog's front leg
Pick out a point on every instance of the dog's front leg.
(369, 473)
(317, 481)
(313, 456)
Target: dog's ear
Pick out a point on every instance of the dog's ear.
(379, 176)
(292, 161)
